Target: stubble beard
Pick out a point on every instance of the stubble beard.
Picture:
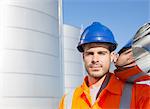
(95, 74)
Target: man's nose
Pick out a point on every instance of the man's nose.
(95, 59)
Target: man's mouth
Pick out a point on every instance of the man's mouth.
(95, 68)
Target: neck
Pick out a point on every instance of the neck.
(95, 82)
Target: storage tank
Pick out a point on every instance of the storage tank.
(73, 66)
(30, 58)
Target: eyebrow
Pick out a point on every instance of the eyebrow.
(105, 52)
(98, 51)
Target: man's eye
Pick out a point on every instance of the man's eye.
(89, 53)
(102, 53)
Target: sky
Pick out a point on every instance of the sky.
(123, 17)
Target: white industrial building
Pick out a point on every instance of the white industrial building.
(73, 67)
(38, 63)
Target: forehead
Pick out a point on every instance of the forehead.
(95, 45)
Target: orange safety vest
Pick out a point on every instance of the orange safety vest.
(109, 98)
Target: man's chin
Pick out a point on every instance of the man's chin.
(96, 74)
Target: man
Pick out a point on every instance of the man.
(127, 70)
(100, 88)
(134, 95)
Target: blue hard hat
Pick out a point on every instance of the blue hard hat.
(97, 33)
(126, 47)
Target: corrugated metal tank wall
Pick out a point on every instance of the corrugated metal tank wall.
(30, 76)
(73, 67)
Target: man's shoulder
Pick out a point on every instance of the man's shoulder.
(142, 88)
(74, 91)
(70, 96)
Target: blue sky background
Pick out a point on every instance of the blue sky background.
(123, 17)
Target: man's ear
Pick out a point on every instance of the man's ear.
(114, 56)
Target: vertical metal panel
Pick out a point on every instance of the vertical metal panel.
(29, 54)
(72, 58)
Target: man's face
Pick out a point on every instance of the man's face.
(126, 59)
(97, 59)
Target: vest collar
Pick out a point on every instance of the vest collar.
(114, 85)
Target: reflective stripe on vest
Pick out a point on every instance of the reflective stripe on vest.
(68, 100)
(126, 96)
(134, 77)
(144, 82)
(127, 91)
